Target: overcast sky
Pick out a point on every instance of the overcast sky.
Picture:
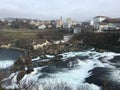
(52, 9)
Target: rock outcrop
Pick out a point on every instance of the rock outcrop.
(23, 65)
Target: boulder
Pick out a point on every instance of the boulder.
(23, 63)
(20, 75)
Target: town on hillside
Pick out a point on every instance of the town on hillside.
(96, 24)
(33, 34)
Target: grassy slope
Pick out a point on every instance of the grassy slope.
(19, 34)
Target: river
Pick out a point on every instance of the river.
(8, 56)
(83, 70)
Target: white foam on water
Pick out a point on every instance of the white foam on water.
(34, 59)
(73, 54)
(114, 75)
(74, 78)
(6, 63)
(78, 74)
(50, 56)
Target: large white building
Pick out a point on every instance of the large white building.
(109, 24)
(59, 23)
(96, 20)
(77, 30)
(42, 26)
(69, 22)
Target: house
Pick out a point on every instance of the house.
(86, 23)
(33, 22)
(65, 39)
(53, 24)
(57, 42)
(77, 29)
(109, 24)
(102, 26)
(59, 23)
(42, 26)
(49, 26)
(40, 44)
(68, 37)
(69, 22)
(65, 25)
(5, 46)
(96, 20)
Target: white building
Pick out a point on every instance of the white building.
(41, 44)
(59, 23)
(5, 46)
(96, 20)
(68, 37)
(42, 26)
(77, 30)
(69, 22)
(102, 26)
(109, 24)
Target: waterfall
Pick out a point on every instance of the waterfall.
(88, 87)
(72, 78)
(65, 86)
(6, 63)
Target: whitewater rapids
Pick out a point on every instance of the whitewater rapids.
(73, 79)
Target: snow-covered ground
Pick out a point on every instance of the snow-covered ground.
(73, 79)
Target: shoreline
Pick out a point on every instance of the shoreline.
(14, 48)
(115, 49)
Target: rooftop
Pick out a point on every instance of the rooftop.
(101, 16)
(111, 21)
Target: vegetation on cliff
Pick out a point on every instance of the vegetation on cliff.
(103, 40)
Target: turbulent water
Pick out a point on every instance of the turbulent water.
(70, 77)
(7, 57)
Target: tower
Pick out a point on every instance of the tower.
(61, 21)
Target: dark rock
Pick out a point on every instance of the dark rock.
(20, 75)
(1, 88)
(101, 58)
(49, 69)
(43, 76)
(102, 77)
(40, 63)
(59, 56)
(57, 62)
(82, 57)
(22, 63)
(71, 62)
(116, 59)
(100, 50)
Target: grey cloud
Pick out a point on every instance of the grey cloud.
(46, 9)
